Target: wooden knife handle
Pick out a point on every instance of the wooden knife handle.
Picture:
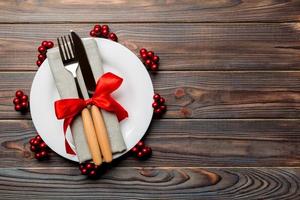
(91, 137)
(102, 135)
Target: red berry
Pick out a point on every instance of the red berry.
(41, 57)
(134, 149)
(155, 59)
(38, 156)
(36, 142)
(38, 63)
(97, 30)
(24, 105)
(19, 93)
(42, 49)
(31, 141)
(157, 111)
(113, 37)
(105, 27)
(162, 100)
(44, 43)
(24, 97)
(97, 26)
(155, 105)
(90, 165)
(144, 56)
(156, 97)
(163, 108)
(144, 150)
(93, 33)
(43, 145)
(38, 138)
(150, 54)
(140, 154)
(18, 107)
(81, 166)
(148, 62)
(84, 171)
(143, 50)
(50, 44)
(104, 32)
(92, 173)
(154, 67)
(16, 100)
(148, 151)
(43, 154)
(97, 167)
(33, 148)
(140, 144)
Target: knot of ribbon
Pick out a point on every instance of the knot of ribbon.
(67, 109)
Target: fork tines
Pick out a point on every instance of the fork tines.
(66, 49)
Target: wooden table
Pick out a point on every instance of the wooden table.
(229, 71)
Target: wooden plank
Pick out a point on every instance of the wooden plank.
(191, 143)
(192, 46)
(148, 11)
(204, 95)
(152, 183)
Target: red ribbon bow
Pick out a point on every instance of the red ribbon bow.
(67, 109)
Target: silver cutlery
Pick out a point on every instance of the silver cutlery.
(66, 50)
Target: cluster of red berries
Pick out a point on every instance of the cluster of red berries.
(21, 101)
(103, 31)
(43, 50)
(150, 60)
(39, 147)
(89, 169)
(141, 151)
(159, 105)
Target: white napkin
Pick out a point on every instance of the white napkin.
(67, 89)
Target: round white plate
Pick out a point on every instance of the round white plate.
(135, 95)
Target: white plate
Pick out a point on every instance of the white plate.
(135, 95)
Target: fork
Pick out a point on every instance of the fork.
(70, 62)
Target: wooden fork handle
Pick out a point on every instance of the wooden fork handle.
(102, 135)
(90, 134)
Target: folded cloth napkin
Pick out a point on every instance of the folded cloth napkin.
(67, 89)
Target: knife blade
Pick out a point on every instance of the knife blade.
(84, 64)
(90, 83)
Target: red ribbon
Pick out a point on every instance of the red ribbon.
(67, 109)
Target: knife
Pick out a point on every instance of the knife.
(90, 84)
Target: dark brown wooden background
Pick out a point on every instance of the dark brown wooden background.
(230, 71)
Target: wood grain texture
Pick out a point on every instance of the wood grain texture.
(149, 11)
(152, 183)
(181, 143)
(191, 46)
(205, 95)
(229, 71)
